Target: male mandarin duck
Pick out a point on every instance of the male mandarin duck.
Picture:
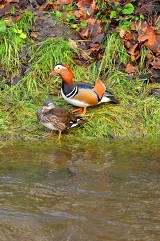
(57, 118)
(81, 94)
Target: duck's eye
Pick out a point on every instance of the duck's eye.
(58, 67)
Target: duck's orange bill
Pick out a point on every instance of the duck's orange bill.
(53, 72)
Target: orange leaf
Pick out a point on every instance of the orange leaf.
(64, 2)
(34, 35)
(148, 36)
(84, 3)
(156, 63)
(73, 44)
(130, 69)
(126, 35)
(6, 2)
(132, 49)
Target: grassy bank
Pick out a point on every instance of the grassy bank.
(30, 62)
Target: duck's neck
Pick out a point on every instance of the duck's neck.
(67, 76)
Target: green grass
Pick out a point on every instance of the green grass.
(136, 115)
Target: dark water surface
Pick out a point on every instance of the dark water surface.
(92, 191)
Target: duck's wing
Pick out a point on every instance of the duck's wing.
(84, 85)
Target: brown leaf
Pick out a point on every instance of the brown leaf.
(73, 44)
(94, 46)
(64, 2)
(127, 43)
(94, 27)
(84, 33)
(18, 18)
(85, 54)
(124, 34)
(136, 26)
(84, 13)
(130, 69)
(149, 38)
(84, 3)
(134, 51)
(86, 9)
(77, 14)
(43, 6)
(34, 35)
(6, 2)
(156, 63)
(98, 38)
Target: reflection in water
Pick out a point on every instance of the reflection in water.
(106, 190)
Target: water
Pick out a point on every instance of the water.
(93, 191)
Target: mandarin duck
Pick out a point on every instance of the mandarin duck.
(81, 94)
(57, 118)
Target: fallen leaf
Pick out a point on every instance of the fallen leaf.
(98, 38)
(73, 44)
(84, 3)
(64, 2)
(156, 63)
(126, 35)
(44, 6)
(148, 37)
(19, 17)
(134, 51)
(34, 35)
(130, 69)
(86, 9)
(84, 33)
(6, 2)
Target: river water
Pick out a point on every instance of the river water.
(80, 190)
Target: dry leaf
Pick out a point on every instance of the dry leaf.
(84, 3)
(34, 35)
(6, 2)
(98, 38)
(148, 36)
(130, 69)
(156, 63)
(73, 44)
(64, 2)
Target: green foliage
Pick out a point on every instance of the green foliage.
(128, 9)
(12, 41)
(3, 27)
(58, 14)
(116, 12)
(83, 23)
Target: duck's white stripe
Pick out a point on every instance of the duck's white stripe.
(72, 93)
(73, 101)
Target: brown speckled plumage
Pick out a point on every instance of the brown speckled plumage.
(57, 118)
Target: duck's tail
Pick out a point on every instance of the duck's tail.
(109, 97)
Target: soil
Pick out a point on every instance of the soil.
(48, 27)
